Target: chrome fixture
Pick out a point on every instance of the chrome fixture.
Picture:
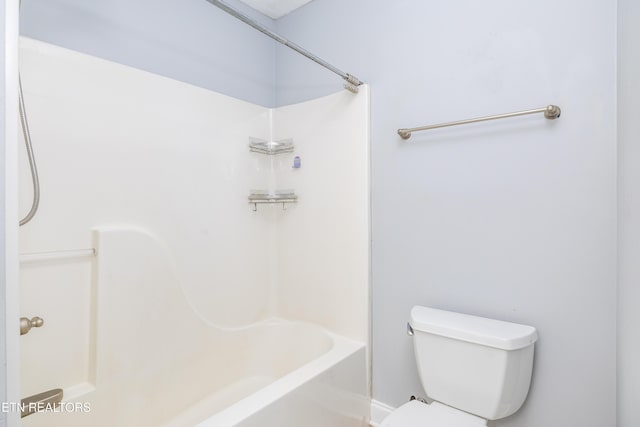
(351, 82)
(32, 160)
(551, 112)
(409, 329)
(26, 324)
(41, 401)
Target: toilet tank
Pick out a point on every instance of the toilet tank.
(478, 365)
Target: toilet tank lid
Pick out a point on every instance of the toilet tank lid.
(474, 329)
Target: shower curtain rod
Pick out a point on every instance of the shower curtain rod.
(351, 82)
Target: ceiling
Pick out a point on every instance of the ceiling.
(275, 8)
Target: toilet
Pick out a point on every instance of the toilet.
(473, 368)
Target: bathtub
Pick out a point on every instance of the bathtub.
(154, 362)
(289, 374)
(297, 374)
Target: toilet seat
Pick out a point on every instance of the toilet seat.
(418, 414)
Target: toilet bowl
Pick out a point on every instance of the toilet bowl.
(473, 368)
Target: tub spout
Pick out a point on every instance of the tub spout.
(41, 401)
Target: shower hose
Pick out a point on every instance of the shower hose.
(32, 159)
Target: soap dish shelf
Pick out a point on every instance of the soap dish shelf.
(271, 147)
(263, 197)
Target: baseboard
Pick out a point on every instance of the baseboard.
(379, 412)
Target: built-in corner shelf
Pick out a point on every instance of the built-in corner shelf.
(281, 196)
(271, 147)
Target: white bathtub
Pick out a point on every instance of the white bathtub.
(287, 374)
(156, 363)
(296, 374)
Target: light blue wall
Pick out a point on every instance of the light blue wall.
(187, 40)
(512, 219)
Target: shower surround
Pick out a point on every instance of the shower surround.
(195, 309)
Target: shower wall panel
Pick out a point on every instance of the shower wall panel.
(120, 146)
(323, 240)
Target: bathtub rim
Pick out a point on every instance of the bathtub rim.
(341, 349)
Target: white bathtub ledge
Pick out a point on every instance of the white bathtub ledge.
(235, 414)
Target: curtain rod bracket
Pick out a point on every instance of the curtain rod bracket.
(351, 83)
